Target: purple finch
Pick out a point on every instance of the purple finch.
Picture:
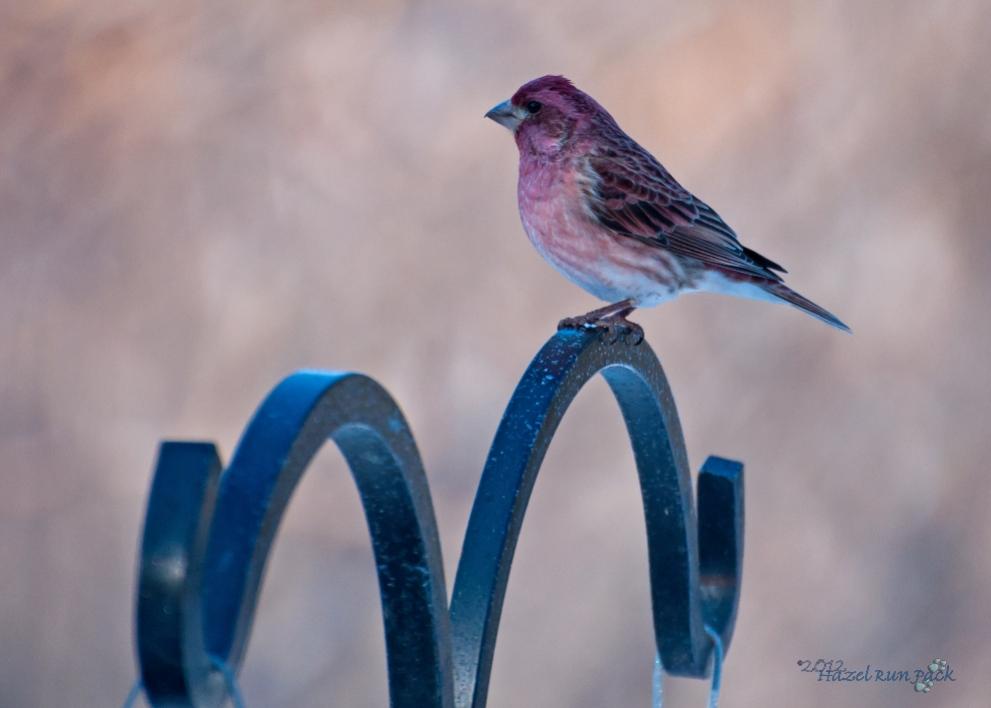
(606, 214)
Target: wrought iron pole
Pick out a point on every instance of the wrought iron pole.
(694, 570)
(208, 534)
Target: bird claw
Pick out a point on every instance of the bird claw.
(621, 328)
(612, 328)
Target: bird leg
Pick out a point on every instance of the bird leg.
(611, 320)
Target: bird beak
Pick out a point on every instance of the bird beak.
(507, 115)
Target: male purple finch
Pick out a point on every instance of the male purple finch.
(607, 215)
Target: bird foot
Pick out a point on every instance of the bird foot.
(612, 328)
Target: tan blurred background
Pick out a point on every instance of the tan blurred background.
(198, 198)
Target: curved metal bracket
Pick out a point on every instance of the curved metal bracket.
(208, 535)
(186, 555)
(694, 571)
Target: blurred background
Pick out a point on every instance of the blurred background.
(198, 198)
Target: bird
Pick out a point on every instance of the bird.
(608, 216)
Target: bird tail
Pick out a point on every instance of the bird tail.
(786, 294)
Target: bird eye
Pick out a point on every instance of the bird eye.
(534, 106)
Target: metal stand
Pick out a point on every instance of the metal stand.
(208, 534)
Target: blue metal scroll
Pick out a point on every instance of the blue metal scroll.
(200, 577)
(208, 533)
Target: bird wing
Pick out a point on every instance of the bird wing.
(630, 193)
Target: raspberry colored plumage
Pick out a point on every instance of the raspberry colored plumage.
(606, 214)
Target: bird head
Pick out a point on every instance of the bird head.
(547, 114)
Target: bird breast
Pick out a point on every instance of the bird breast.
(611, 267)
